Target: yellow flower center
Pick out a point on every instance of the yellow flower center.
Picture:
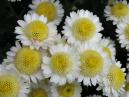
(61, 63)
(127, 86)
(116, 77)
(126, 32)
(9, 86)
(38, 93)
(67, 90)
(28, 61)
(83, 29)
(108, 51)
(91, 63)
(47, 9)
(120, 10)
(36, 30)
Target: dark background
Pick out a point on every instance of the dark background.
(11, 12)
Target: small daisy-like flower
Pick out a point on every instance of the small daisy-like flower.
(13, 0)
(117, 12)
(67, 90)
(52, 9)
(39, 90)
(62, 65)
(26, 61)
(113, 81)
(11, 85)
(82, 26)
(93, 63)
(108, 47)
(34, 31)
(123, 34)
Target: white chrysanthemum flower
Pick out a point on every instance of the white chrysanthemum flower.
(123, 34)
(117, 12)
(93, 63)
(52, 9)
(68, 90)
(108, 47)
(26, 61)
(82, 27)
(62, 65)
(13, 0)
(11, 85)
(59, 40)
(126, 94)
(94, 96)
(34, 31)
(113, 81)
(39, 90)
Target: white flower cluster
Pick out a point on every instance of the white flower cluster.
(118, 12)
(45, 64)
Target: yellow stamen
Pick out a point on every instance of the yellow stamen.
(38, 93)
(116, 77)
(9, 86)
(108, 51)
(36, 30)
(91, 63)
(126, 32)
(127, 86)
(67, 90)
(120, 10)
(61, 63)
(83, 29)
(28, 61)
(47, 9)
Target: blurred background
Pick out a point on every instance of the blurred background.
(11, 12)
